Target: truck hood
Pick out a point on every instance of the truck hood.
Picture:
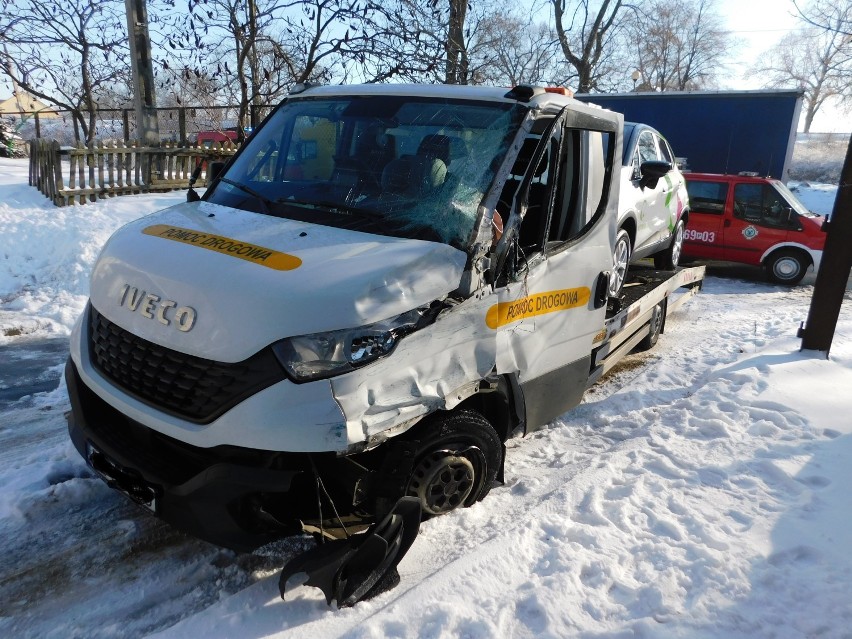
(221, 283)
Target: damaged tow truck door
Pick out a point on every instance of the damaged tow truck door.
(552, 294)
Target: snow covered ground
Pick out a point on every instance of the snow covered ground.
(701, 490)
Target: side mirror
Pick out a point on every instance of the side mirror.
(214, 169)
(191, 195)
(652, 171)
(792, 218)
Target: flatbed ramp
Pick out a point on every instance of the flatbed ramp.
(649, 295)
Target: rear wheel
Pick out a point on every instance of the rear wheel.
(787, 266)
(456, 462)
(670, 258)
(658, 316)
(620, 262)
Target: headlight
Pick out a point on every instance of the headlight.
(321, 355)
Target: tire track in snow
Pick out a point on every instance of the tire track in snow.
(561, 470)
(591, 472)
(656, 509)
(79, 560)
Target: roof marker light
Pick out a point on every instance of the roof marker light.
(560, 91)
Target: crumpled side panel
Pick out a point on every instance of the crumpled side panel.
(429, 369)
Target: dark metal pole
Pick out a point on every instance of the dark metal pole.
(182, 125)
(147, 124)
(830, 286)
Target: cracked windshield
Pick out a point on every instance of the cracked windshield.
(399, 166)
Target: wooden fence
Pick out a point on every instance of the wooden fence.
(108, 169)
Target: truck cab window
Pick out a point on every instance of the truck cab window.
(566, 190)
(534, 224)
(581, 185)
(762, 204)
(707, 197)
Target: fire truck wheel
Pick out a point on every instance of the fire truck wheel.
(787, 266)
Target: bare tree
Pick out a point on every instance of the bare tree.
(815, 60)
(522, 51)
(588, 39)
(65, 53)
(830, 15)
(451, 41)
(263, 47)
(679, 46)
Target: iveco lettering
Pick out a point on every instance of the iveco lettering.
(150, 305)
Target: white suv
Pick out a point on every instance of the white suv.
(652, 206)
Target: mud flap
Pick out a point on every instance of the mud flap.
(349, 570)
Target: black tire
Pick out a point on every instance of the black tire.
(787, 266)
(620, 261)
(658, 319)
(457, 459)
(670, 258)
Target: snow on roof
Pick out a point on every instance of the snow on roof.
(26, 104)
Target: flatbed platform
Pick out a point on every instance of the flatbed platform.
(629, 322)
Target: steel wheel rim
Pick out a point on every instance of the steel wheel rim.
(444, 480)
(786, 268)
(656, 320)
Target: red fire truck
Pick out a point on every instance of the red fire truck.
(754, 220)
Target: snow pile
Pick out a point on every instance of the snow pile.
(701, 490)
(47, 252)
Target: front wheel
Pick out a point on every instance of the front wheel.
(787, 267)
(457, 459)
(670, 258)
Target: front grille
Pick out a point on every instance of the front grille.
(194, 388)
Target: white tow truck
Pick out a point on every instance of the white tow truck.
(378, 289)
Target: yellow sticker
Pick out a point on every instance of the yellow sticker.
(538, 304)
(226, 246)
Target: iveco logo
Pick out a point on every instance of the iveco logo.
(167, 312)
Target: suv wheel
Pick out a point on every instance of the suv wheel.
(669, 259)
(620, 262)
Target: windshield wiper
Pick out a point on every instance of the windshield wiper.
(265, 201)
(331, 207)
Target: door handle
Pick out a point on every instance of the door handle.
(601, 290)
(727, 223)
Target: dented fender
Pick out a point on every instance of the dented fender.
(434, 368)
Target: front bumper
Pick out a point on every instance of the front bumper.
(230, 496)
(281, 417)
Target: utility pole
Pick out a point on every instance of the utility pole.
(830, 286)
(147, 125)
